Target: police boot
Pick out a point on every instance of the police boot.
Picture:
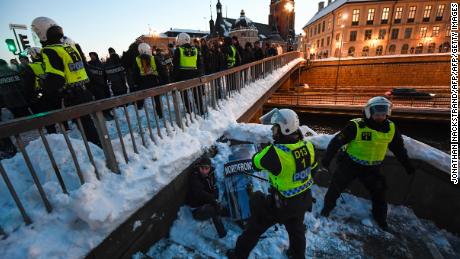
(231, 254)
(219, 227)
(325, 212)
(382, 224)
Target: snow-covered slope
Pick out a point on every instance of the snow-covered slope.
(82, 219)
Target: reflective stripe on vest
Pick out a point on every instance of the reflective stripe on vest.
(37, 68)
(188, 62)
(74, 69)
(152, 69)
(297, 160)
(231, 60)
(369, 146)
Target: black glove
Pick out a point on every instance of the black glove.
(410, 170)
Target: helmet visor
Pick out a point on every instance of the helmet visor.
(380, 109)
(273, 117)
(36, 39)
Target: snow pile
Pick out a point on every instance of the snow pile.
(257, 133)
(350, 232)
(82, 219)
(415, 150)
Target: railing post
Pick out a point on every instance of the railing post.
(99, 123)
(13, 193)
(176, 109)
(213, 94)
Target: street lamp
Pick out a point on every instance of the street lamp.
(289, 7)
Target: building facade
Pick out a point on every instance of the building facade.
(244, 29)
(356, 28)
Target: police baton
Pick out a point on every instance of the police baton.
(257, 177)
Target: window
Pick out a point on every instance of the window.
(365, 51)
(337, 37)
(392, 49)
(445, 47)
(370, 16)
(355, 19)
(407, 33)
(379, 50)
(435, 31)
(385, 13)
(324, 26)
(440, 12)
(382, 33)
(427, 13)
(404, 49)
(353, 35)
(326, 54)
(329, 22)
(322, 42)
(328, 41)
(394, 34)
(431, 47)
(319, 28)
(423, 32)
(419, 48)
(311, 32)
(398, 14)
(412, 11)
(315, 30)
(412, 50)
(317, 43)
(351, 51)
(367, 34)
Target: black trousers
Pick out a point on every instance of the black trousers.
(147, 83)
(209, 211)
(196, 101)
(78, 96)
(370, 176)
(265, 214)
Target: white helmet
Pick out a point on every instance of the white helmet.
(287, 119)
(182, 38)
(68, 41)
(40, 26)
(34, 52)
(377, 104)
(144, 48)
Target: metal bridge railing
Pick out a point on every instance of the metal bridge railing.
(440, 101)
(181, 103)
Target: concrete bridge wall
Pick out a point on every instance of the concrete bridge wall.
(401, 71)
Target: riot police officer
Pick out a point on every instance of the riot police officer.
(187, 64)
(146, 75)
(367, 141)
(290, 163)
(65, 74)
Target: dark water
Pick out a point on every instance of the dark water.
(435, 134)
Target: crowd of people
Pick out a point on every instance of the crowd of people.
(59, 75)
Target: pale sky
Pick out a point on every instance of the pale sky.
(99, 24)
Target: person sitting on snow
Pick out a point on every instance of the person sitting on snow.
(203, 194)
